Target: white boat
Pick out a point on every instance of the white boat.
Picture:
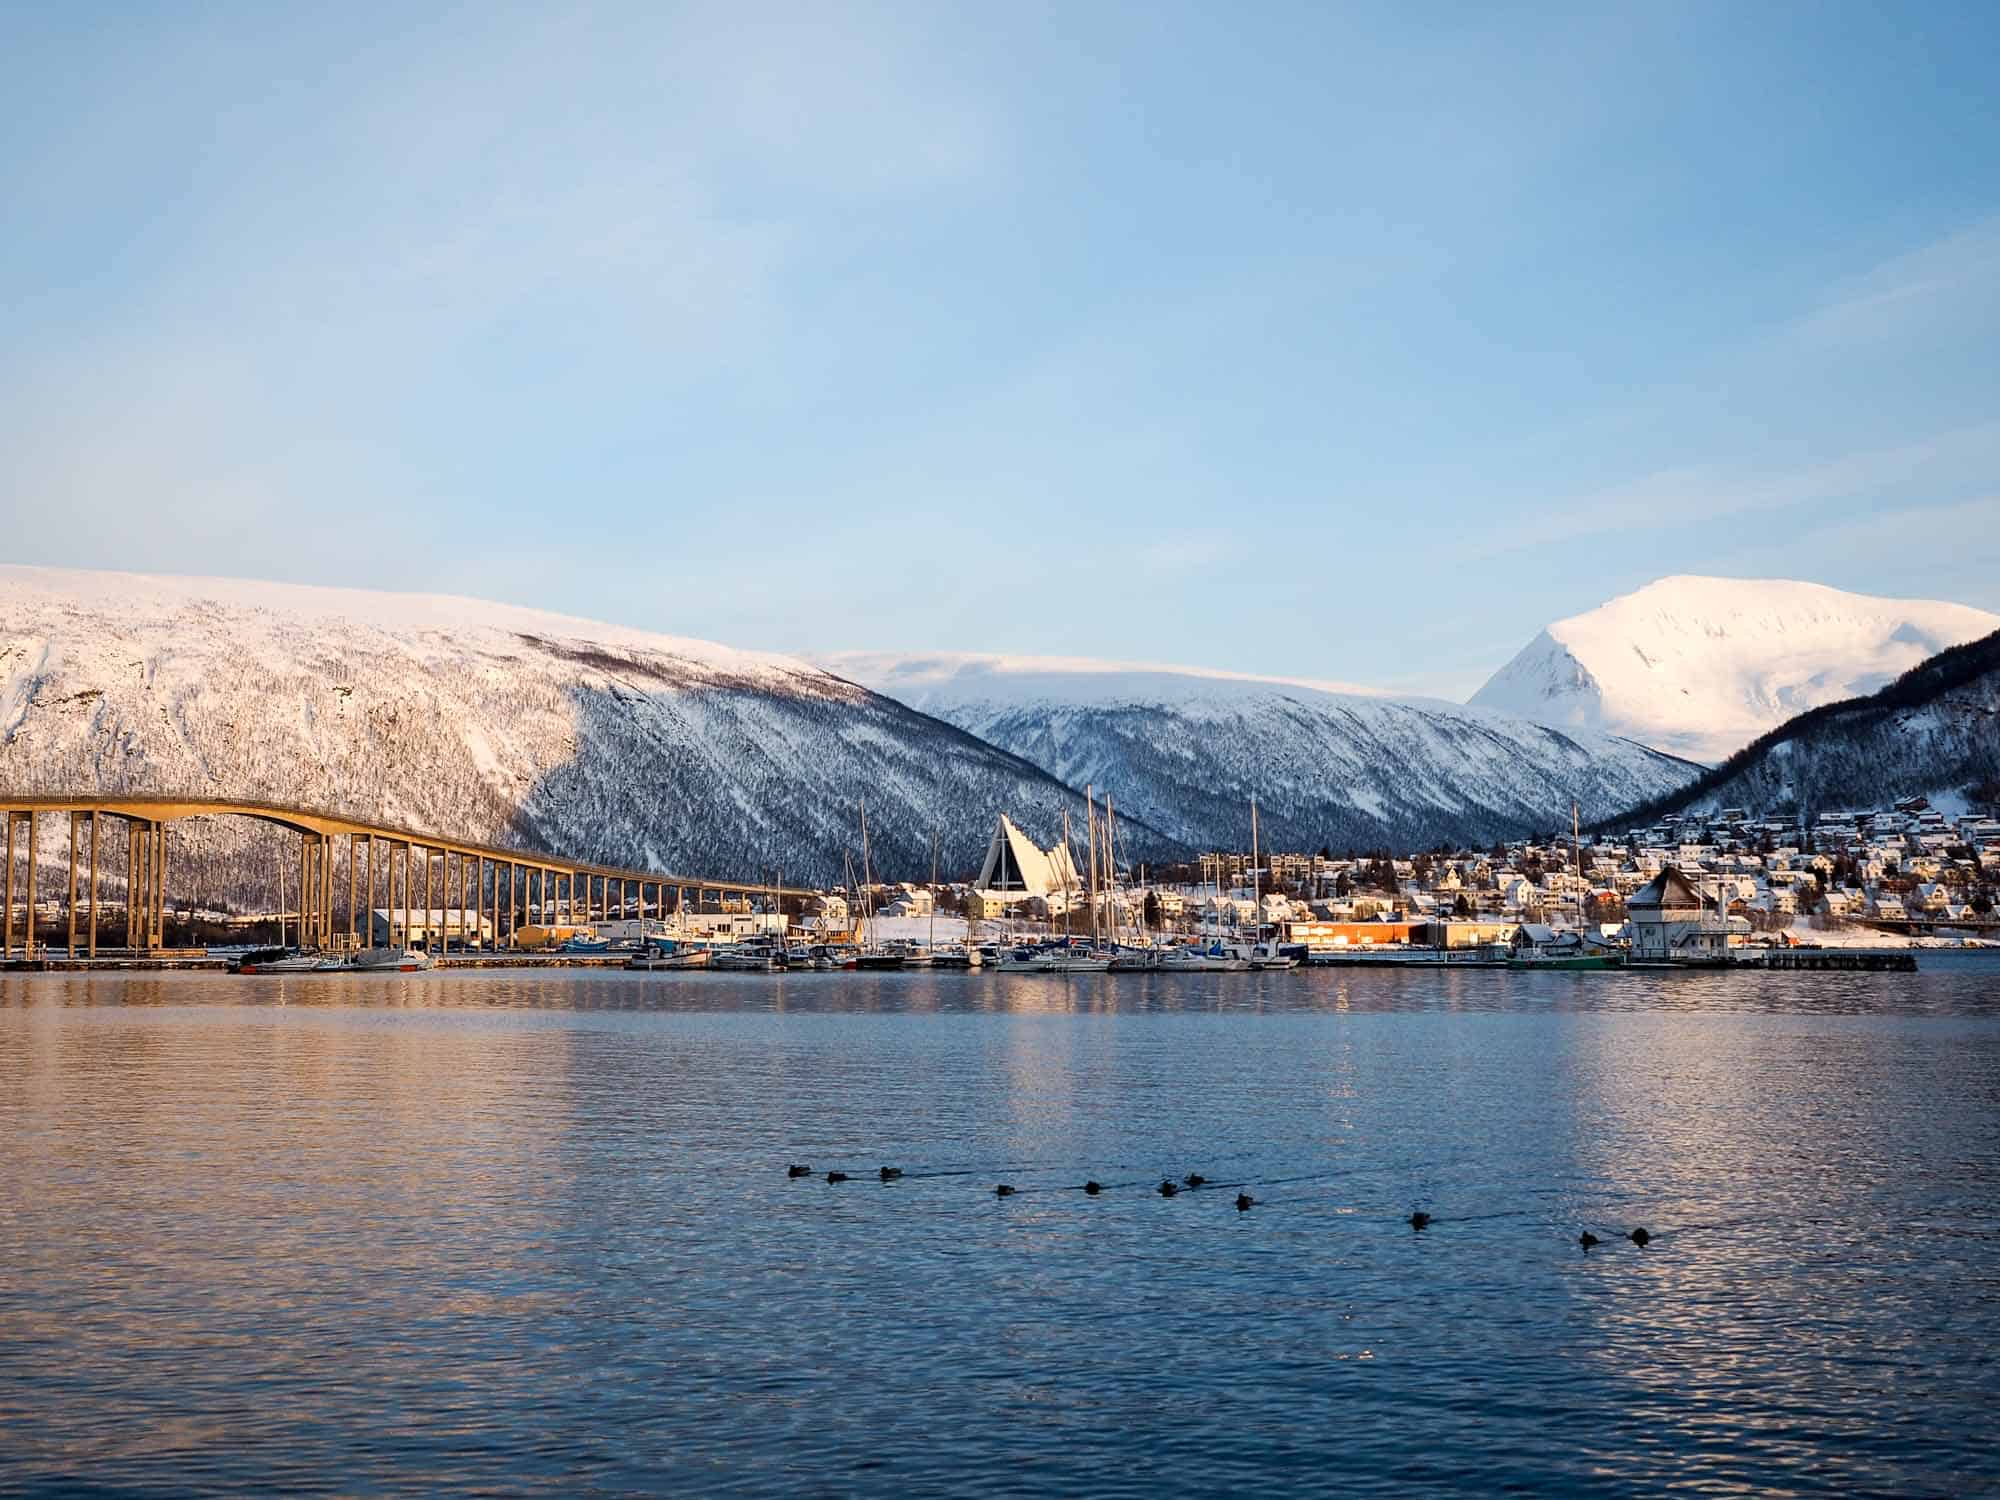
(278, 961)
(392, 961)
(1211, 960)
(746, 959)
(666, 955)
(1264, 956)
(1062, 962)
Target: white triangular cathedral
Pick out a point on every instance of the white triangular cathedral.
(1015, 870)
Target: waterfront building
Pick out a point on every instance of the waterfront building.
(1669, 920)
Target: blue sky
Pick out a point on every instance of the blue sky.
(1354, 342)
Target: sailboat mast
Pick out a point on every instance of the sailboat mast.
(1256, 880)
(867, 883)
(934, 844)
(1111, 871)
(1090, 816)
(1069, 869)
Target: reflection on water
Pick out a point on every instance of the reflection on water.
(532, 1231)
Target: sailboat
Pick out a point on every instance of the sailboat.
(1260, 954)
(871, 955)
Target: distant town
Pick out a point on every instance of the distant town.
(1730, 888)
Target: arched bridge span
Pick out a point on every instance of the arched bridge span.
(454, 891)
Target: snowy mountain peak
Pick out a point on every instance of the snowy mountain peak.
(1186, 748)
(1702, 666)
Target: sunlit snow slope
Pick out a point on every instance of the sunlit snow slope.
(1933, 732)
(1702, 666)
(485, 721)
(1185, 750)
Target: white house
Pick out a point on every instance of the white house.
(1671, 923)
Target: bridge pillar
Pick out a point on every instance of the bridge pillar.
(158, 842)
(132, 884)
(28, 937)
(138, 901)
(7, 941)
(93, 882)
(75, 826)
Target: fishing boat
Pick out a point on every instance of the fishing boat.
(956, 956)
(665, 953)
(392, 960)
(1540, 947)
(583, 944)
(1580, 960)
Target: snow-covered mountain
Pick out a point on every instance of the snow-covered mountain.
(1933, 732)
(1184, 750)
(484, 721)
(1702, 666)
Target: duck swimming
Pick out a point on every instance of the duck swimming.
(836, 1177)
(1419, 1219)
(1003, 1190)
(890, 1174)
(795, 1170)
(1639, 1236)
(1093, 1187)
(1244, 1203)
(1194, 1179)
(1168, 1187)
(1586, 1239)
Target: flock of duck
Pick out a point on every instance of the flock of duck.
(1168, 1188)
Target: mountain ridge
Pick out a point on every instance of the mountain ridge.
(1187, 749)
(509, 726)
(1933, 731)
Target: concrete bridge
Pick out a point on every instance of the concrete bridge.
(475, 885)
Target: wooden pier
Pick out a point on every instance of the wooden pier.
(1834, 960)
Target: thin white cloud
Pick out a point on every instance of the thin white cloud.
(1677, 499)
(1933, 288)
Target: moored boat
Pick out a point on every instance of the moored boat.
(1214, 959)
(391, 960)
(748, 958)
(1564, 961)
(278, 961)
(665, 953)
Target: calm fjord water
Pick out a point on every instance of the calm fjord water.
(530, 1232)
